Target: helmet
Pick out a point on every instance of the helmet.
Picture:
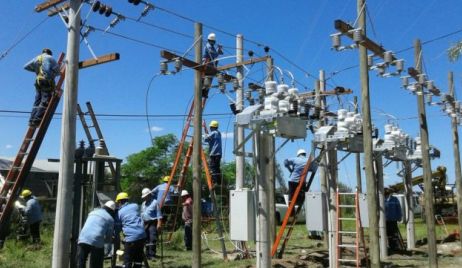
(214, 123)
(47, 51)
(25, 193)
(166, 178)
(110, 204)
(145, 192)
(184, 193)
(121, 196)
(211, 37)
(301, 151)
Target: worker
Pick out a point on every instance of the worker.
(214, 141)
(33, 213)
(296, 165)
(97, 230)
(187, 218)
(152, 218)
(393, 214)
(46, 69)
(129, 219)
(209, 59)
(159, 190)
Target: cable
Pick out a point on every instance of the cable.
(159, 27)
(146, 106)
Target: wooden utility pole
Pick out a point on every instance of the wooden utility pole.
(371, 184)
(426, 165)
(359, 183)
(63, 218)
(378, 161)
(410, 230)
(455, 140)
(197, 147)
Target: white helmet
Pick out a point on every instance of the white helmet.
(145, 192)
(301, 151)
(184, 193)
(211, 37)
(110, 204)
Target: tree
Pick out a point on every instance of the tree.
(455, 51)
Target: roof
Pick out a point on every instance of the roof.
(40, 165)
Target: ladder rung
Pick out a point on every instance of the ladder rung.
(16, 167)
(10, 182)
(346, 232)
(348, 260)
(27, 139)
(23, 153)
(346, 193)
(347, 246)
(346, 206)
(347, 219)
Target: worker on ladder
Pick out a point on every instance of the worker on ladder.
(160, 189)
(152, 218)
(33, 213)
(214, 141)
(209, 59)
(296, 165)
(46, 69)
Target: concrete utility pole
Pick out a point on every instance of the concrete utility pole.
(410, 230)
(240, 157)
(371, 184)
(271, 167)
(63, 218)
(378, 161)
(455, 140)
(197, 147)
(426, 165)
(359, 182)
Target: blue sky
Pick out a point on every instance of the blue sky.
(296, 31)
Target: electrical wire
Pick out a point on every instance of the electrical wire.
(146, 100)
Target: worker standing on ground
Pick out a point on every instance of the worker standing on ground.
(97, 230)
(130, 221)
(209, 59)
(159, 190)
(296, 165)
(152, 217)
(393, 214)
(46, 69)
(214, 141)
(187, 218)
(33, 213)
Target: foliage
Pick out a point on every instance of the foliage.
(229, 174)
(455, 51)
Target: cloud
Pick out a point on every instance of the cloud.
(8, 146)
(227, 135)
(156, 129)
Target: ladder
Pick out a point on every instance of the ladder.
(356, 230)
(292, 204)
(25, 157)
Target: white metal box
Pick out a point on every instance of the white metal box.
(316, 211)
(242, 215)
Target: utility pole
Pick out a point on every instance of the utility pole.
(197, 147)
(270, 167)
(382, 221)
(426, 166)
(63, 218)
(371, 184)
(240, 157)
(410, 231)
(455, 140)
(331, 169)
(359, 183)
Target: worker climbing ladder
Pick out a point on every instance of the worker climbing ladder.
(310, 162)
(346, 231)
(23, 161)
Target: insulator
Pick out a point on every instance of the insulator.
(387, 57)
(381, 70)
(429, 98)
(220, 78)
(135, 2)
(207, 82)
(178, 65)
(429, 84)
(102, 9)
(108, 11)
(370, 60)
(336, 42)
(457, 105)
(399, 65)
(222, 87)
(235, 84)
(248, 95)
(163, 67)
(357, 36)
(114, 22)
(146, 10)
(96, 5)
(293, 107)
(405, 81)
(422, 79)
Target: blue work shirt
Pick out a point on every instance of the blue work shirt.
(392, 209)
(50, 68)
(214, 141)
(211, 54)
(33, 211)
(98, 228)
(159, 191)
(150, 210)
(132, 224)
(295, 165)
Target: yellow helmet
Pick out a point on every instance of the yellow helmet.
(166, 178)
(213, 123)
(121, 196)
(25, 193)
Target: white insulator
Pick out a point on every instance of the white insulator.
(422, 79)
(271, 103)
(341, 114)
(342, 126)
(270, 87)
(358, 35)
(283, 106)
(370, 60)
(399, 64)
(388, 57)
(282, 88)
(336, 42)
(388, 128)
(293, 91)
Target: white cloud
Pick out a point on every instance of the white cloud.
(8, 146)
(227, 135)
(156, 129)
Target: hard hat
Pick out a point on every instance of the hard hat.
(301, 151)
(110, 204)
(166, 178)
(47, 51)
(145, 192)
(121, 196)
(184, 193)
(211, 37)
(214, 123)
(25, 193)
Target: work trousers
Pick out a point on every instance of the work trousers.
(42, 97)
(393, 235)
(215, 171)
(150, 227)
(96, 256)
(301, 196)
(188, 236)
(35, 232)
(133, 254)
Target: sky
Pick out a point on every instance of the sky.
(297, 32)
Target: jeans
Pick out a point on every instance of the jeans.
(42, 97)
(188, 236)
(133, 254)
(150, 228)
(301, 195)
(394, 240)
(214, 165)
(35, 232)
(96, 258)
